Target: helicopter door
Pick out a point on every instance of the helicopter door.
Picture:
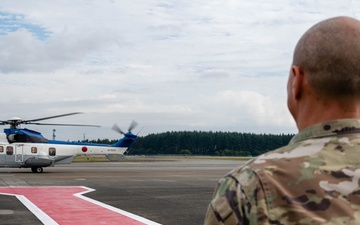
(19, 153)
(2, 155)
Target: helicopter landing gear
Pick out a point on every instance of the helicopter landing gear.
(36, 169)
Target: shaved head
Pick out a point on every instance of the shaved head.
(329, 52)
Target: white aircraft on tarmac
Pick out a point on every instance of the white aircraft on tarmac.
(25, 148)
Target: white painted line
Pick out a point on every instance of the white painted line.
(125, 213)
(43, 217)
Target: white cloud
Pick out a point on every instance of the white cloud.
(170, 65)
(257, 108)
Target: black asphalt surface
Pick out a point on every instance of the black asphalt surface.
(169, 191)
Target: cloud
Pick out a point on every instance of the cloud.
(214, 75)
(174, 65)
(257, 108)
(21, 51)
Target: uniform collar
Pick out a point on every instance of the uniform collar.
(330, 128)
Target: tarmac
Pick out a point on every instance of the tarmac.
(138, 190)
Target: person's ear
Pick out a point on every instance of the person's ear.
(297, 81)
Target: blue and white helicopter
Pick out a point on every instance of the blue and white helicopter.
(25, 148)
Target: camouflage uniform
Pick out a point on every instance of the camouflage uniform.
(313, 180)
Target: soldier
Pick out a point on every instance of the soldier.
(315, 178)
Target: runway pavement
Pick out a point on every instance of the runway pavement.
(169, 191)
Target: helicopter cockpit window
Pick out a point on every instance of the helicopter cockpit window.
(9, 150)
(11, 138)
(36, 139)
(26, 138)
(52, 151)
(1, 149)
(34, 150)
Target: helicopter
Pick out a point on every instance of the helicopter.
(25, 148)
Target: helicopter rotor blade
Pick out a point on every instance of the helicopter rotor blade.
(50, 117)
(2, 122)
(116, 128)
(132, 125)
(62, 124)
(139, 131)
(16, 121)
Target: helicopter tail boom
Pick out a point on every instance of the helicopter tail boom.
(126, 141)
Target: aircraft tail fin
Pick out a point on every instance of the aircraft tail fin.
(126, 141)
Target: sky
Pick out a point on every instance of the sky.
(176, 65)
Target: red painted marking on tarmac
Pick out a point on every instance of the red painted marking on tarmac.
(66, 205)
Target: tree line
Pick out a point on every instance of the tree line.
(206, 143)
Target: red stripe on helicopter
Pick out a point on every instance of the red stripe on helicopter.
(67, 205)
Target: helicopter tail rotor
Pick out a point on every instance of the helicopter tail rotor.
(128, 138)
(132, 125)
(116, 128)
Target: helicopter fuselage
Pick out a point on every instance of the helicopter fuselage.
(45, 154)
(25, 148)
